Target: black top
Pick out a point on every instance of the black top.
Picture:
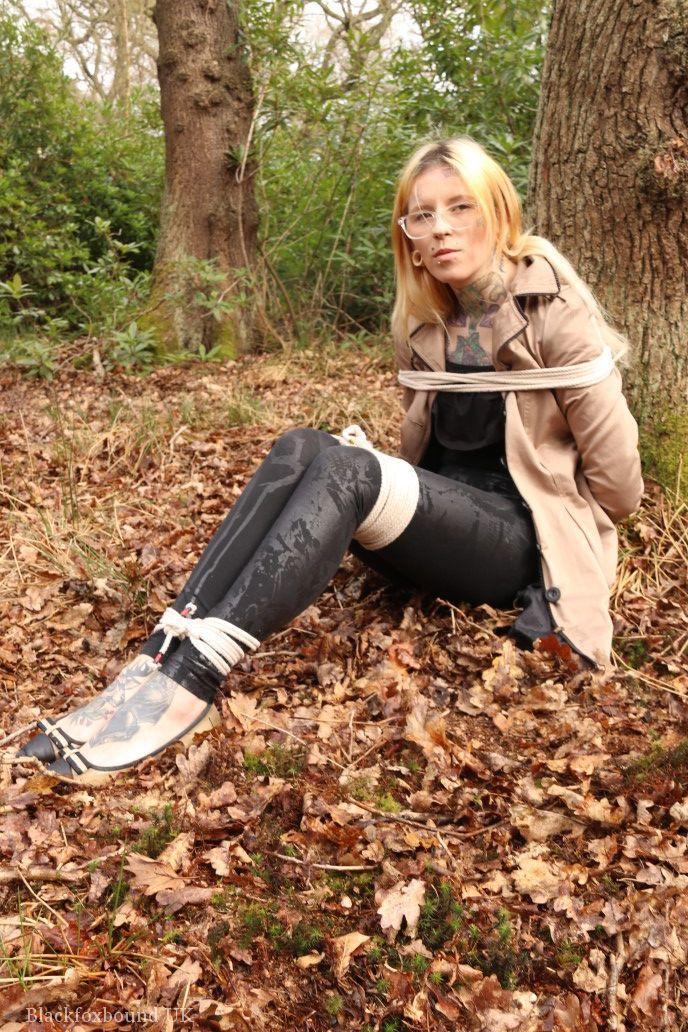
(468, 422)
(467, 436)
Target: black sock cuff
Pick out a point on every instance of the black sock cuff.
(193, 672)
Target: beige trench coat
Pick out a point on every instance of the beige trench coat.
(572, 452)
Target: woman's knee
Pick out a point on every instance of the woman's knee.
(302, 443)
(349, 472)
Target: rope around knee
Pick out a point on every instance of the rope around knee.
(398, 497)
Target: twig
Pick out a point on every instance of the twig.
(425, 827)
(40, 873)
(33, 761)
(17, 733)
(325, 867)
(616, 962)
(631, 672)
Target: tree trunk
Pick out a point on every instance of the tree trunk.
(208, 208)
(609, 185)
(121, 78)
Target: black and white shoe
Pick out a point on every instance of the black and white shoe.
(54, 740)
(74, 764)
(218, 641)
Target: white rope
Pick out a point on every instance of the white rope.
(210, 635)
(582, 374)
(398, 498)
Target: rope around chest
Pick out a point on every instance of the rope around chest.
(582, 374)
(399, 488)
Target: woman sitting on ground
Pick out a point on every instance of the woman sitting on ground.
(514, 469)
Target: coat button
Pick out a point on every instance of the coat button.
(552, 594)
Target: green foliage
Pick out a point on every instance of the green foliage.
(387, 803)
(276, 760)
(657, 758)
(34, 355)
(326, 223)
(441, 916)
(70, 168)
(82, 181)
(158, 834)
(495, 953)
(133, 347)
(259, 919)
(569, 955)
(333, 1004)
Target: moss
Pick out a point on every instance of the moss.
(260, 920)
(635, 653)
(357, 883)
(441, 916)
(494, 952)
(664, 448)
(569, 956)
(387, 803)
(277, 761)
(227, 340)
(361, 788)
(333, 1005)
(674, 43)
(158, 834)
(657, 758)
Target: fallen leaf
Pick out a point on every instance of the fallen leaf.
(343, 948)
(401, 902)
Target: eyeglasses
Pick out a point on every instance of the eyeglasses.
(421, 223)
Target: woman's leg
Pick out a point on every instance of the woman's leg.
(225, 555)
(462, 543)
(247, 523)
(291, 566)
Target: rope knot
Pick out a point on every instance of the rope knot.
(355, 436)
(213, 637)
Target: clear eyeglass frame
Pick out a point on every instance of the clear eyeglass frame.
(471, 218)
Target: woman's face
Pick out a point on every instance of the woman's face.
(469, 251)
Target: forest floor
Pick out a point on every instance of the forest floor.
(403, 823)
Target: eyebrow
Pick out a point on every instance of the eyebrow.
(456, 197)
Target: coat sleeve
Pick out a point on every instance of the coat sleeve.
(403, 360)
(605, 432)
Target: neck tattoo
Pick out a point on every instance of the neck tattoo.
(481, 294)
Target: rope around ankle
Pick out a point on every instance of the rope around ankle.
(212, 636)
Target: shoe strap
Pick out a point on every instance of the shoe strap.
(56, 735)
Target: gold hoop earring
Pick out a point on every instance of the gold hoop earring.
(413, 258)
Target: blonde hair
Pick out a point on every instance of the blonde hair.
(418, 293)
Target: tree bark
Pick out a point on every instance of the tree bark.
(609, 182)
(121, 78)
(208, 207)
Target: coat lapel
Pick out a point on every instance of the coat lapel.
(534, 275)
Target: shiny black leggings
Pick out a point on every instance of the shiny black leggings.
(285, 536)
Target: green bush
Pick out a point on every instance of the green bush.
(79, 191)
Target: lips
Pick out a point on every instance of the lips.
(444, 250)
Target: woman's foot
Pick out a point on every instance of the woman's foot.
(76, 728)
(159, 713)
